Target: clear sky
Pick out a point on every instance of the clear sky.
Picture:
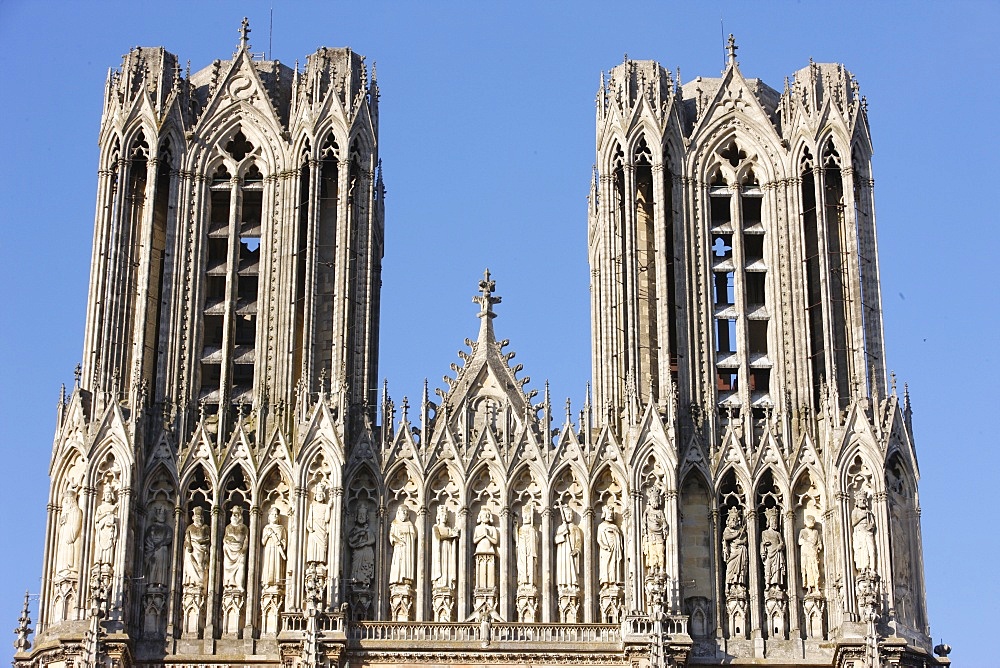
(487, 139)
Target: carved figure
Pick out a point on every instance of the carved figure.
(274, 538)
(734, 541)
(361, 540)
(609, 539)
(527, 548)
(486, 538)
(569, 543)
(106, 523)
(863, 533)
(196, 541)
(157, 545)
(403, 538)
(234, 551)
(443, 557)
(654, 536)
(811, 547)
(772, 551)
(70, 525)
(318, 527)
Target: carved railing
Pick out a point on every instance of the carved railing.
(296, 621)
(413, 631)
(557, 633)
(644, 626)
(473, 632)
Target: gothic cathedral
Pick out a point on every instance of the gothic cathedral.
(739, 487)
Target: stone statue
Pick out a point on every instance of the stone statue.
(527, 547)
(318, 527)
(609, 540)
(234, 551)
(196, 541)
(811, 546)
(106, 523)
(486, 538)
(734, 541)
(403, 538)
(157, 545)
(772, 551)
(70, 525)
(569, 543)
(443, 558)
(863, 533)
(274, 538)
(654, 532)
(361, 540)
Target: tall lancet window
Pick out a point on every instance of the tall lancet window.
(813, 263)
(646, 292)
(326, 256)
(839, 270)
(739, 284)
(229, 325)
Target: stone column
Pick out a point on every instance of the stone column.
(547, 581)
(589, 564)
(253, 581)
(505, 549)
(420, 567)
(466, 567)
(213, 564)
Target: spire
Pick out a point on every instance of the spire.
(244, 31)
(486, 300)
(731, 49)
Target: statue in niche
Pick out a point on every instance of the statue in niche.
(569, 543)
(196, 542)
(70, 526)
(654, 535)
(609, 540)
(486, 538)
(361, 540)
(772, 551)
(274, 538)
(106, 522)
(811, 547)
(734, 542)
(234, 551)
(157, 545)
(863, 532)
(403, 538)
(443, 558)
(527, 547)
(318, 527)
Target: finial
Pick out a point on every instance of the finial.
(892, 378)
(23, 630)
(77, 374)
(405, 409)
(486, 300)
(731, 48)
(569, 410)
(245, 34)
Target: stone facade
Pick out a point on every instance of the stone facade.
(741, 487)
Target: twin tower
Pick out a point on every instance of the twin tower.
(229, 485)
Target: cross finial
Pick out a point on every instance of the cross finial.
(77, 374)
(245, 33)
(485, 299)
(731, 48)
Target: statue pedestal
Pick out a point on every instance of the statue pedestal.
(776, 611)
(569, 604)
(153, 604)
(315, 585)
(485, 600)
(736, 611)
(401, 602)
(271, 602)
(443, 602)
(192, 603)
(360, 598)
(813, 607)
(611, 598)
(527, 603)
(656, 592)
(65, 593)
(232, 608)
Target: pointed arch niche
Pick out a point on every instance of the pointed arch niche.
(695, 543)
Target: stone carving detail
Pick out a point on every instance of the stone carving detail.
(106, 525)
(485, 537)
(234, 570)
(274, 539)
(157, 541)
(735, 553)
(569, 546)
(70, 526)
(361, 540)
(197, 540)
(609, 572)
(811, 550)
(772, 556)
(318, 527)
(863, 533)
(654, 540)
(443, 567)
(527, 566)
(402, 568)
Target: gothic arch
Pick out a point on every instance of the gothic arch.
(320, 449)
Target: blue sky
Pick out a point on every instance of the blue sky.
(487, 140)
